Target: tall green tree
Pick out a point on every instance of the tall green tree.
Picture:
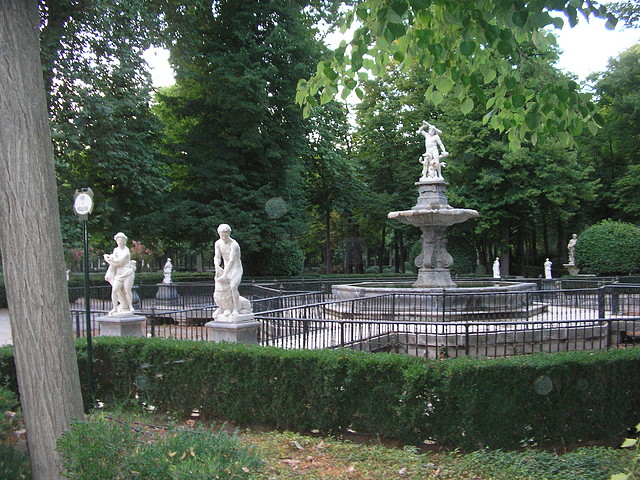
(104, 133)
(239, 138)
(332, 184)
(615, 150)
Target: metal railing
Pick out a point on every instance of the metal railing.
(430, 325)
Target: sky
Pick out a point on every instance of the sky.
(586, 48)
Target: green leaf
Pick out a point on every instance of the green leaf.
(399, 6)
(466, 106)
(436, 49)
(519, 17)
(532, 120)
(437, 98)
(397, 30)
(468, 47)
(443, 84)
(420, 4)
(518, 100)
(629, 442)
(505, 48)
(330, 73)
(620, 476)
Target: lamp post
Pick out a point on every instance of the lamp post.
(83, 206)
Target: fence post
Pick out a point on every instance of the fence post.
(153, 321)
(466, 339)
(601, 302)
(342, 334)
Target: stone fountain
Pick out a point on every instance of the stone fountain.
(433, 215)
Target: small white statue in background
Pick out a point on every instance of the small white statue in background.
(120, 275)
(547, 268)
(572, 249)
(167, 270)
(228, 277)
(496, 268)
(431, 164)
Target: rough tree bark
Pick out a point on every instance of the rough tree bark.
(31, 244)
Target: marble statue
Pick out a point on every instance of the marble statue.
(572, 249)
(547, 268)
(228, 275)
(167, 270)
(430, 160)
(496, 268)
(120, 275)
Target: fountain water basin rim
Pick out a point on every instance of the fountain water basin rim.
(370, 289)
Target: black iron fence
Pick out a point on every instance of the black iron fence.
(429, 325)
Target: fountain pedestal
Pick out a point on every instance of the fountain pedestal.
(433, 214)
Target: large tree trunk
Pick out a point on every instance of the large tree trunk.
(31, 244)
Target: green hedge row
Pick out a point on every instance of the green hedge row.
(470, 403)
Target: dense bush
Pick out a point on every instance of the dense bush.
(546, 399)
(609, 248)
(284, 258)
(103, 450)
(543, 399)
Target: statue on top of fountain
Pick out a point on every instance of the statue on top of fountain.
(430, 160)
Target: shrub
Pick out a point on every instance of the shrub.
(14, 463)
(609, 248)
(468, 402)
(102, 450)
(284, 258)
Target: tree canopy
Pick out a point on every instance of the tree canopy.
(476, 52)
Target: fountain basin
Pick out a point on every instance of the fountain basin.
(398, 300)
(442, 217)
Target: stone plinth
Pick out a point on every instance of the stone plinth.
(572, 269)
(167, 294)
(123, 326)
(235, 329)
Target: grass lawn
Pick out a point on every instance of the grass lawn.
(293, 456)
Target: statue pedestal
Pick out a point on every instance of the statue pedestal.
(124, 326)
(235, 329)
(572, 269)
(167, 294)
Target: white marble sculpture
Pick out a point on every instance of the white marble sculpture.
(167, 270)
(229, 271)
(496, 268)
(120, 275)
(572, 249)
(430, 160)
(547, 268)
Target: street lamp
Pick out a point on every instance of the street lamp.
(83, 206)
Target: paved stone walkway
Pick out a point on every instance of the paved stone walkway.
(5, 329)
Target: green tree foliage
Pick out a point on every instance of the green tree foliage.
(104, 132)
(478, 53)
(332, 185)
(627, 11)
(236, 134)
(609, 248)
(615, 151)
(527, 198)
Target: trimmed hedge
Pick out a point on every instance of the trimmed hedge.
(609, 248)
(547, 399)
